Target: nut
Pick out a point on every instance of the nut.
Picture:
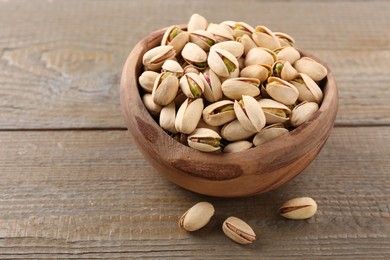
(298, 208)
(197, 216)
(238, 231)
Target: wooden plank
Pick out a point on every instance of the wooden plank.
(65, 73)
(90, 194)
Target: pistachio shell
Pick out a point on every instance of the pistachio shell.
(247, 42)
(188, 115)
(288, 53)
(284, 70)
(211, 140)
(260, 56)
(241, 28)
(235, 48)
(190, 69)
(220, 32)
(264, 37)
(312, 68)
(212, 86)
(178, 41)
(229, 24)
(173, 67)
(299, 208)
(152, 107)
(167, 118)
(234, 131)
(202, 124)
(282, 91)
(197, 22)
(147, 79)
(192, 85)
(194, 55)
(203, 39)
(217, 62)
(285, 39)
(239, 231)
(237, 147)
(219, 113)
(274, 111)
(154, 58)
(165, 88)
(236, 87)
(269, 133)
(197, 216)
(250, 114)
(302, 113)
(260, 72)
(308, 89)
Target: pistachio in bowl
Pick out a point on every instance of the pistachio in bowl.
(227, 109)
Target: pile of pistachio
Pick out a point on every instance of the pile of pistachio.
(229, 86)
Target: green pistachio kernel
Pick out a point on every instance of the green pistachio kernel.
(194, 87)
(229, 64)
(276, 111)
(174, 33)
(278, 69)
(224, 109)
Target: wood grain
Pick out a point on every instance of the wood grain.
(90, 194)
(60, 61)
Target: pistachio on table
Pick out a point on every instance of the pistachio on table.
(197, 216)
(239, 231)
(229, 83)
(299, 208)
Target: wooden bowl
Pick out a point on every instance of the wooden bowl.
(257, 170)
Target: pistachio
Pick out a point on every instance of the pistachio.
(220, 32)
(239, 231)
(234, 131)
(203, 39)
(222, 62)
(173, 67)
(236, 87)
(308, 89)
(165, 88)
(212, 86)
(284, 39)
(249, 113)
(269, 133)
(235, 48)
(299, 208)
(147, 79)
(152, 107)
(287, 53)
(188, 115)
(197, 216)
(197, 22)
(260, 56)
(154, 58)
(219, 113)
(282, 91)
(257, 71)
(247, 42)
(310, 67)
(241, 28)
(238, 146)
(205, 140)
(302, 113)
(274, 111)
(194, 55)
(175, 37)
(190, 69)
(264, 37)
(192, 85)
(284, 70)
(167, 118)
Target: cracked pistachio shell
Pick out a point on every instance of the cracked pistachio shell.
(219, 113)
(197, 22)
(190, 68)
(167, 118)
(192, 85)
(194, 55)
(229, 24)
(154, 58)
(203, 39)
(274, 111)
(234, 74)
(175, 37)
(147, 79)
(235, 48)
(205, 140)
(188, 115)
(202, 124)
(241, 28)
(165, 88)
(238, 230)
(282, 91)
(269, 133)
(212, 86)
(288, 53)
(285, 39)
(312, 68)
(260, 56)
(197, 216)
(258, 71)
(153, 108)
(250, 114)
(234, 131)
(247, 42)
(173, 67)
(236, 87)
(238, 146)
(299, 208)
(221, 33)
(264, 37)
(302, 113)
(284, 70)
(308, 89)
(222, 62)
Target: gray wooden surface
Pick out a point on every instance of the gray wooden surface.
(73, 185)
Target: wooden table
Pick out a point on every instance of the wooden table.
(73, 185)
